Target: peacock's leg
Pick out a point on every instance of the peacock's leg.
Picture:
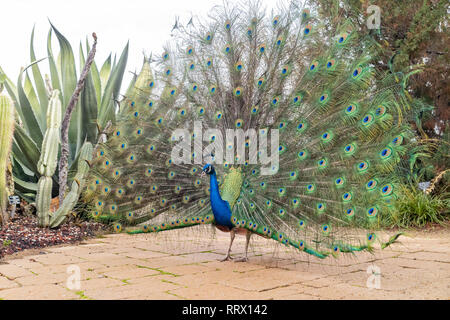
(228, 257)
(247, 237)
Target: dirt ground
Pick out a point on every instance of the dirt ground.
(183, 264)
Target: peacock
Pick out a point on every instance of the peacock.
(258, 123)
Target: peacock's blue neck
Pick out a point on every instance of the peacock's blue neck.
(220, 208)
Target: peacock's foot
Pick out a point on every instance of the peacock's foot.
(243, 259)
(227, 258)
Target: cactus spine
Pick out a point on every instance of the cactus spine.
(48, 159)
(6, 134)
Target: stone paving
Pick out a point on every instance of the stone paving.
(183, 264)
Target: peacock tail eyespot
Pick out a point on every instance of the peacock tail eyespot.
(339, 182)
(350, 149)
(293, 175)
(380, 111)
(314, 66)
(371, 237)
(386, 153)
(279, 41)
(347, 197)
(331, 63)
(324, 98)
(238, 91)
(341, 39)
(321, 207)
(310, 188)
(326, 229)
(262, 48)
(190, 50)
(302, 155)
(363, 166)
(357, 72)
(285, 70)
(301, 224)
(371, 184)
(227, 24)
(322, 163)
(212, 89)
(305, 14)
(260, 82)
(326, 136)
(301, 245)
(387, 190)
(274, 101)
(351, 109)
(227, 49)
(275, 21)
(297, 99)
(238, 66)
(165, 56)
(372, 212)
(307, 30)
(350, 212)
(397, 140)
(367, 120)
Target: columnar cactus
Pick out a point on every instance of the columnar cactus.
(6, 134)
(48, 159)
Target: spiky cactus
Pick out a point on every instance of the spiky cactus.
(48, 159)
(6, 134)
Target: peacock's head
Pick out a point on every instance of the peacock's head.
(208, 169)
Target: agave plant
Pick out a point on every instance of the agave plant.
(94, 109)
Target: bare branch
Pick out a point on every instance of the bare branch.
(63, 161)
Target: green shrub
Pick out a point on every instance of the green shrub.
(414, 208)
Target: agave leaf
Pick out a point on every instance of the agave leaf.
(56, 84)
(10, 87)
(24, 186)
(88, 107)
(69, 82)
(39, 83)
(105, 72)
(106, 111)
(33, 99)
(95, 76)
(26, 150)
(29, 118)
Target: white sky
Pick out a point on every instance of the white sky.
(146, 23)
